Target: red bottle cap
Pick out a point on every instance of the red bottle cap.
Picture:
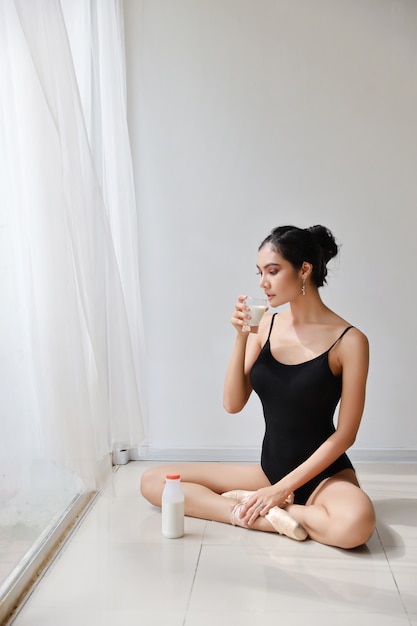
(173, 476)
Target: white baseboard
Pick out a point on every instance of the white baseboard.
(225, 455)
(383, 455)
(252, 455)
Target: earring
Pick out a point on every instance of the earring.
(303, 287)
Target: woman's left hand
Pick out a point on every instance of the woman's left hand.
(262, 501)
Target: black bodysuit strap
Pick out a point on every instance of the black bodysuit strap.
(339, 338)
(270, 328)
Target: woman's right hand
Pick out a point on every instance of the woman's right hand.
(237, 386)
(239, 317)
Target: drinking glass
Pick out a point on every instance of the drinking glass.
(257, 307)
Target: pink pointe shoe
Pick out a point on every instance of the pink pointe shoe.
(237, 494)
(281, 521)
(242, 494)
(284, 524)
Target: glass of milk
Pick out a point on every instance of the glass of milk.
(257, 307)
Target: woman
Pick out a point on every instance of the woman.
(300, 362)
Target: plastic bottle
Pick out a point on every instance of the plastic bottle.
(173, 507)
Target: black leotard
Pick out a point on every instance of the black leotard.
(299, 402)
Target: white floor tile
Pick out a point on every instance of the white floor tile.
(97, 617)
(403, 562)
(119, 570)
(319, 618)
(388, 480)
(129, 520)
(260, 578)
(397, 521)
(120, 576)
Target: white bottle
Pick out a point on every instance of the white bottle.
(173, 507)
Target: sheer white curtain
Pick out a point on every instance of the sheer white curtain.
(70, 325)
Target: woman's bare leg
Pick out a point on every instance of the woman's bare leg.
(338, 513)
(202, 484)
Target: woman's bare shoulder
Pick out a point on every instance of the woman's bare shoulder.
(356, 336)
(353, 339)
(355, 342)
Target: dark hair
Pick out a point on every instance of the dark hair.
(315, 245)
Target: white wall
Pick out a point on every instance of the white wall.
(248, 114)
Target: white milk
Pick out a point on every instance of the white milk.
(256, 313)
(173, 519)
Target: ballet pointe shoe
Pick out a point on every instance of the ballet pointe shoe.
(235, 518)
(237, 494)
(279, 519)
(284, 524)
(242, 494)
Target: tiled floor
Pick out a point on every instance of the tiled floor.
(117, 570)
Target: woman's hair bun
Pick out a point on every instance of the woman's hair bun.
(316, 245)
(326, 241)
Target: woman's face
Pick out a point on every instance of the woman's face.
(280, 281)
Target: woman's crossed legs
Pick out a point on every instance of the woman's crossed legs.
(338, 513)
